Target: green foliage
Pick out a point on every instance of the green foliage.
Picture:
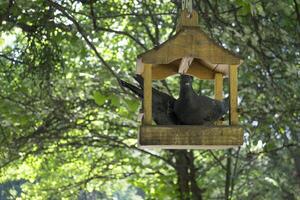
(68, 130)
(99, 98)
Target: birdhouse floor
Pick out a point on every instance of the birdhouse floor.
(190, 137)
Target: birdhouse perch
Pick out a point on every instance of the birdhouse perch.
(210, 61)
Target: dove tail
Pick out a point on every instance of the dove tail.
(140, 80)
(225, 104)
(134, 89)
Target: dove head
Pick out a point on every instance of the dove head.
(186, 80)
(186, 89)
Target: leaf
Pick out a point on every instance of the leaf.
(132, 104)
(245, 7)
(115, 100)
(1, 41)
(99, 98)
(270, 146)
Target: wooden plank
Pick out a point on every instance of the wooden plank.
(196, 69)
(191, 136)
(233, 95)
(160, 72)
(187, 19)
(205, 147)
(200, 71)
(218, 86)
(147, 94)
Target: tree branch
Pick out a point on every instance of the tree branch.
(85, 37)
(123, 33)
(234, 171)
(228, 175)
(217, 159)
(12, 59)
(297, 11)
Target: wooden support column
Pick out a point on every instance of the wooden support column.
(218, 86)
(219, 91)
(147, 94)
(233, 85)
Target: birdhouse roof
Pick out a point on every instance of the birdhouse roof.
(191, 41)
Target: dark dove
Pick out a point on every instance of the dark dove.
(193, 109)
(162, 103)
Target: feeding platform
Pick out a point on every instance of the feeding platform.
(190, 137)
(208, 61)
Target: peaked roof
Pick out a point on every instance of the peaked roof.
(191, 41)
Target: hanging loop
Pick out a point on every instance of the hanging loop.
(188, 5)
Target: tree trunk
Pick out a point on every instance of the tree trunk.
(195, 190)
(182, 173)
(295, 154)
(186, 173)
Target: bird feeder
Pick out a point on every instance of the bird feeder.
(210, 61)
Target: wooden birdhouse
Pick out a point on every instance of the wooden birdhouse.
(210, 61)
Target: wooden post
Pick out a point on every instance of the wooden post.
(233, 86)
(219, 91)
(218, 86)
(147, 94)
